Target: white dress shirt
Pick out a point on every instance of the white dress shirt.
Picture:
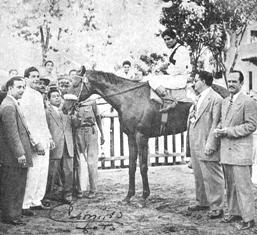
(178, 73)
(202, 97)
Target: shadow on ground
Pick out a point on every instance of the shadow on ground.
(165, 212)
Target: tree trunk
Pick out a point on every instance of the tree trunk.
(44, 41)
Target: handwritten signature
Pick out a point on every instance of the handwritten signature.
(93, 221)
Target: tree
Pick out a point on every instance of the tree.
(49, 23)
(99, 33)
(208, 24)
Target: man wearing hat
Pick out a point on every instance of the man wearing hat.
(64, 84)
(43, 84)
(172, 85)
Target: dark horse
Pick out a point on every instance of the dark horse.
(139, 116)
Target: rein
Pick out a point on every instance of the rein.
(106, 96)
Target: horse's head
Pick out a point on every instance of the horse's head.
(79, 91)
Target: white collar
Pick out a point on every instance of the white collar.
(55, 108)
(15, 101)
(204, 93)
(236, 95)
(176, 46)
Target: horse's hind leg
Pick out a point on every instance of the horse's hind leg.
(142, 143)
(132, 166)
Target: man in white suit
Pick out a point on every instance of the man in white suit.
(203, 119)
(33, 108)
(238, 122)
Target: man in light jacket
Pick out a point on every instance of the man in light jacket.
(204, 147)
(238, 122)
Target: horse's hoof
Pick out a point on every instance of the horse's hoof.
(142, 203)
(126, 200)
(145, 195)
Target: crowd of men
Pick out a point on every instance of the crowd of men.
(41, 147)
(33, 129)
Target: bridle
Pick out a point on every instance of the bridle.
(84, 84)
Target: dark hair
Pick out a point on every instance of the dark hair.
(29, 70)
(72, 70)
(12, 70)
(241, 75)
(11, 81)
(206, 76)
(49, 61)
(126, 62)
(52, 90)
(169, 32)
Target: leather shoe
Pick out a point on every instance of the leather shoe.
(91, 195)
(215, 214)
(14, 222)
(79, 195)
(168, 107)
(67, 200)
(27, 212)
(231, 218)
(197, 208)
(246, 225)
(41, 207)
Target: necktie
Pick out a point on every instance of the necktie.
(229, 105)
(196, 104)
(194, 110)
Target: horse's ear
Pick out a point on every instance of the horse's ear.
(81, 71)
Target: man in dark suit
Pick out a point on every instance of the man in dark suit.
(204, 147)
(16, 152)
(238, 122)
(61, 157)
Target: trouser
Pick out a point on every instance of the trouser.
(36, 181)
(239, 189)
(89, 151)
(13, 183)
(62, 169)
(209, 183)
(0, 184)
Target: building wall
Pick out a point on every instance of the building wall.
(247, 50)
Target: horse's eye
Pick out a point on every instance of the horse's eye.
(75, 84)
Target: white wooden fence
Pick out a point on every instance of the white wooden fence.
(164, 150)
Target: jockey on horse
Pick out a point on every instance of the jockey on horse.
(172, 87)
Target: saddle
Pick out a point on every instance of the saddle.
(169, 103)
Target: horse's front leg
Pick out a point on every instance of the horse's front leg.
(132, 166)
(142, 145)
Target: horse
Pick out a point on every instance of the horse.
(139, 116)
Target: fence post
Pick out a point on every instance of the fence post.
(165, 150)
(112, 139)
(174, 148)
(182, 148)
(121, 148)
(156, 151)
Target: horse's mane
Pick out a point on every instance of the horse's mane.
(111, 77)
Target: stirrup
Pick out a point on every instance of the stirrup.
(168, 107)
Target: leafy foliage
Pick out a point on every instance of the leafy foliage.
(205, 23)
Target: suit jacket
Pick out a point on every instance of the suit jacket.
(60, 127)
(14, 135)
(32, 106)
(201, 135)
(241, 122)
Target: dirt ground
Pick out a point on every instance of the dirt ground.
(172, 191)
